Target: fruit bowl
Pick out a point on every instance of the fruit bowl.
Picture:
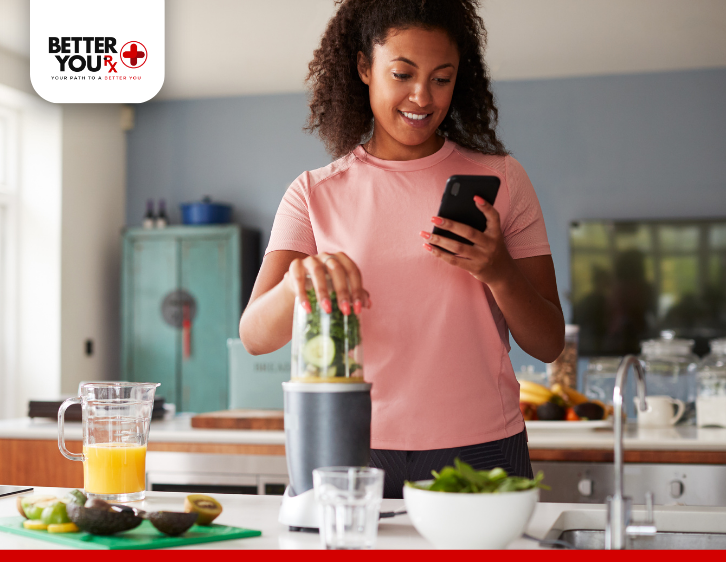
(469, 521)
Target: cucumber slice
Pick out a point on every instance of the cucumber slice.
(319, 351)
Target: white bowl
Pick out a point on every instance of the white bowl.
(469, 521)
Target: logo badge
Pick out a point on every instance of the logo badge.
(86, 51)
(135, 56)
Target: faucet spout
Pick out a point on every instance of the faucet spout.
(618, 505)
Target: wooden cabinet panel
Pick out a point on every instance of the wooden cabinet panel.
(29, 462)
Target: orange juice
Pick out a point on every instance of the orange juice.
(114, 468)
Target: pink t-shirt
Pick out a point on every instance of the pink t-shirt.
(436, 345)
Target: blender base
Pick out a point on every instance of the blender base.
(300, 513)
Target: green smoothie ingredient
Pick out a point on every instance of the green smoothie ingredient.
(33, 506)
(326, 355)
(463, 479)
(319, 351)
(55, 514)
(76, 496)
(63, 528)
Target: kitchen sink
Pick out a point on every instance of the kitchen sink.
(679, 527)
(589, 539)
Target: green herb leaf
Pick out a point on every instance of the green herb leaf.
(463, 479)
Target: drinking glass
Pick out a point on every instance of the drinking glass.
(116, 419)
(349, 498)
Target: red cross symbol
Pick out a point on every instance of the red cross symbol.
(131, 57)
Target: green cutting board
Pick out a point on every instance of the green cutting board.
(144, 536)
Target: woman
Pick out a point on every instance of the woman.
(407, 77)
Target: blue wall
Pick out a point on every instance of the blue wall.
(648, 145)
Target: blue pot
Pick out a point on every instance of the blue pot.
(206, 212)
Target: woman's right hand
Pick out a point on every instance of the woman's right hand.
(344, 274)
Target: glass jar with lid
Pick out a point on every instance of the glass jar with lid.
(711, 400)
(670, 369)
(563, 370)
(600, 378)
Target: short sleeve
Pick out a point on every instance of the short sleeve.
(524, 230)
(292, 228)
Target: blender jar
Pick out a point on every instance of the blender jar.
(325, 347)
(670, 369)
(711, 400)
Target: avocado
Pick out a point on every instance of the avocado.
(589, 411)
(549, 411)
(172, 523)
(100, 521)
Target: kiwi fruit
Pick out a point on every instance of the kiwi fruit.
(172, 523)
(206, 506)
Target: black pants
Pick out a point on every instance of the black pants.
(510, 453)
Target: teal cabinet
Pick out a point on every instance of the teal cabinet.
(180, 303)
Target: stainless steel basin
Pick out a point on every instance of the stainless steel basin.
(588, 539)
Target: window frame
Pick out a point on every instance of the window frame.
(9, 245)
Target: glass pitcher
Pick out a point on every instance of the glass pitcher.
(116, 418)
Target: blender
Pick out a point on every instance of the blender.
(327, 404)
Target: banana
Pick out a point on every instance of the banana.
(534, 399)
(570, 395)
(533, 388)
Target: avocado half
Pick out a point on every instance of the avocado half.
(172, 523)
(99, 521)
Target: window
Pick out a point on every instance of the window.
(8, 247)
(632, 279)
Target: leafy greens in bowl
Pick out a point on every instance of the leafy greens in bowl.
(467, 508)
(463, 479)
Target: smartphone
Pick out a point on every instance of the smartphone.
(457, 203)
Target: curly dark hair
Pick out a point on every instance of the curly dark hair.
(340, 109)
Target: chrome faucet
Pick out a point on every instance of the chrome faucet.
(618, 526)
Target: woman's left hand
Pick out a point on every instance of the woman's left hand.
(487, 260)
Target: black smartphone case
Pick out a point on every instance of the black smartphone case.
(457, 203)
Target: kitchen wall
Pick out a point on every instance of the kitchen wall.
(93, 212)
(72, 204)
(623, 146)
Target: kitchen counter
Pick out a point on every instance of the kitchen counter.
(677, 438)
(32, 447)
(179, 430)
(685, 444)
(260, 512)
